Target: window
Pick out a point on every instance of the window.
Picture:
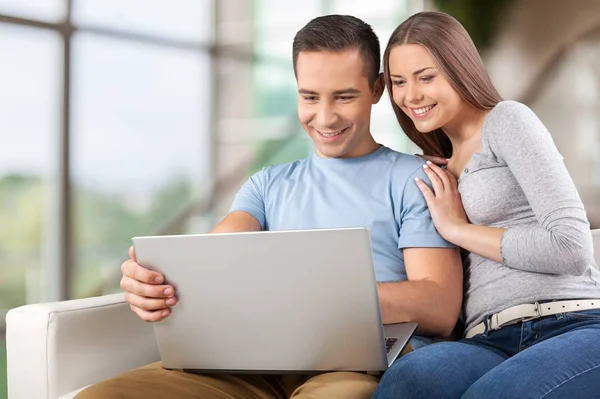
(45, 10)
(29, 130)
(139, 145)
(175, 19)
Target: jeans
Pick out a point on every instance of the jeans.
(552, 357)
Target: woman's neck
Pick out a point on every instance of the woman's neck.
(465, 128)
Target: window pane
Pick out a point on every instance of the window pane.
(29, 131)
(47, 10)
(276, 24)
(139, 145)
(177, 19)
(375, 13)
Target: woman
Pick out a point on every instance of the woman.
(531, 307)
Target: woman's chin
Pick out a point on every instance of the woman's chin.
(425, 130)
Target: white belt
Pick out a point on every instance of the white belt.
(530, 311)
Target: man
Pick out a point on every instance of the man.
(350, 180)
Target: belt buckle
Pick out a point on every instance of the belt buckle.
(492, 323)
(538, 311)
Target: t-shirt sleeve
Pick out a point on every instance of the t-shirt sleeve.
(416, 226)
(251, 199)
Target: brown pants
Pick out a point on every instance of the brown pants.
(155, 382)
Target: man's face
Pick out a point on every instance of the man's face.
(334, 102)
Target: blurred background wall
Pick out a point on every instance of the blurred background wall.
(137, 117)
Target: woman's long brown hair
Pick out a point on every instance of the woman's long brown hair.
(456, 57)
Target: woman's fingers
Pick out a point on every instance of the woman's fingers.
(435, 160)
(441, 174)
(436, 181)
(427, 193)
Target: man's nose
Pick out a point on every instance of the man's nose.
(326, 116)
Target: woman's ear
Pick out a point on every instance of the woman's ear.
(378, 88)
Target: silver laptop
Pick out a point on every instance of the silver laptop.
(272, 302)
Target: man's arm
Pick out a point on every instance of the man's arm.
(237, 221)
(432, 296)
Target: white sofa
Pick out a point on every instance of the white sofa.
(54, 350)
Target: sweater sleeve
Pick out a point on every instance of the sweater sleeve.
(561, 243)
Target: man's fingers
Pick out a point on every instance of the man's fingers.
(132, 254)
(131, 269)
(133, 286)
(149, 303)
(151, 316)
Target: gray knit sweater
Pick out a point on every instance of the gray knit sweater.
(519, 182)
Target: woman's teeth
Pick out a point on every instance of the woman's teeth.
(420, 111)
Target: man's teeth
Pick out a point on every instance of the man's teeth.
(331, 134)
(420, 111)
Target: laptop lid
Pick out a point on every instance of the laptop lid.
(286, 301)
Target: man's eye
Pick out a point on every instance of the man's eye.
(345, 98)
(310, 98)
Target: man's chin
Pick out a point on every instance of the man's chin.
(329, 152)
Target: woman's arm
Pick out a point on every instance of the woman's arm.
(450, 219)
(561, 242)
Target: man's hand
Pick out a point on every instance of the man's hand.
(145, 292)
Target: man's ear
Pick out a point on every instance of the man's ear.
(378, 88)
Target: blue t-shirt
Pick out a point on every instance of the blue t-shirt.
(377, 191)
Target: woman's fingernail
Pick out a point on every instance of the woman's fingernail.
(158, 279)
(165, 313)
(169, 291)
(171, 301)
(429, 162)
(417, 179)
(425, 166)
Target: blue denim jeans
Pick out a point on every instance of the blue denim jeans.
(552, 357)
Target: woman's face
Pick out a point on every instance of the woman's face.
(421, 90)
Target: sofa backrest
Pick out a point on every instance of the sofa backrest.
(596, 237)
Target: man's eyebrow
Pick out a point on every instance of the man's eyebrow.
(305, 91)
(349, 90)
(415, 73)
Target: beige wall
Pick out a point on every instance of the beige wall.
(547, 54)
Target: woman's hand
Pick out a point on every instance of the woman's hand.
(432, 159)
(444, 201)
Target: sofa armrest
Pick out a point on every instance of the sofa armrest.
(56, 348)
